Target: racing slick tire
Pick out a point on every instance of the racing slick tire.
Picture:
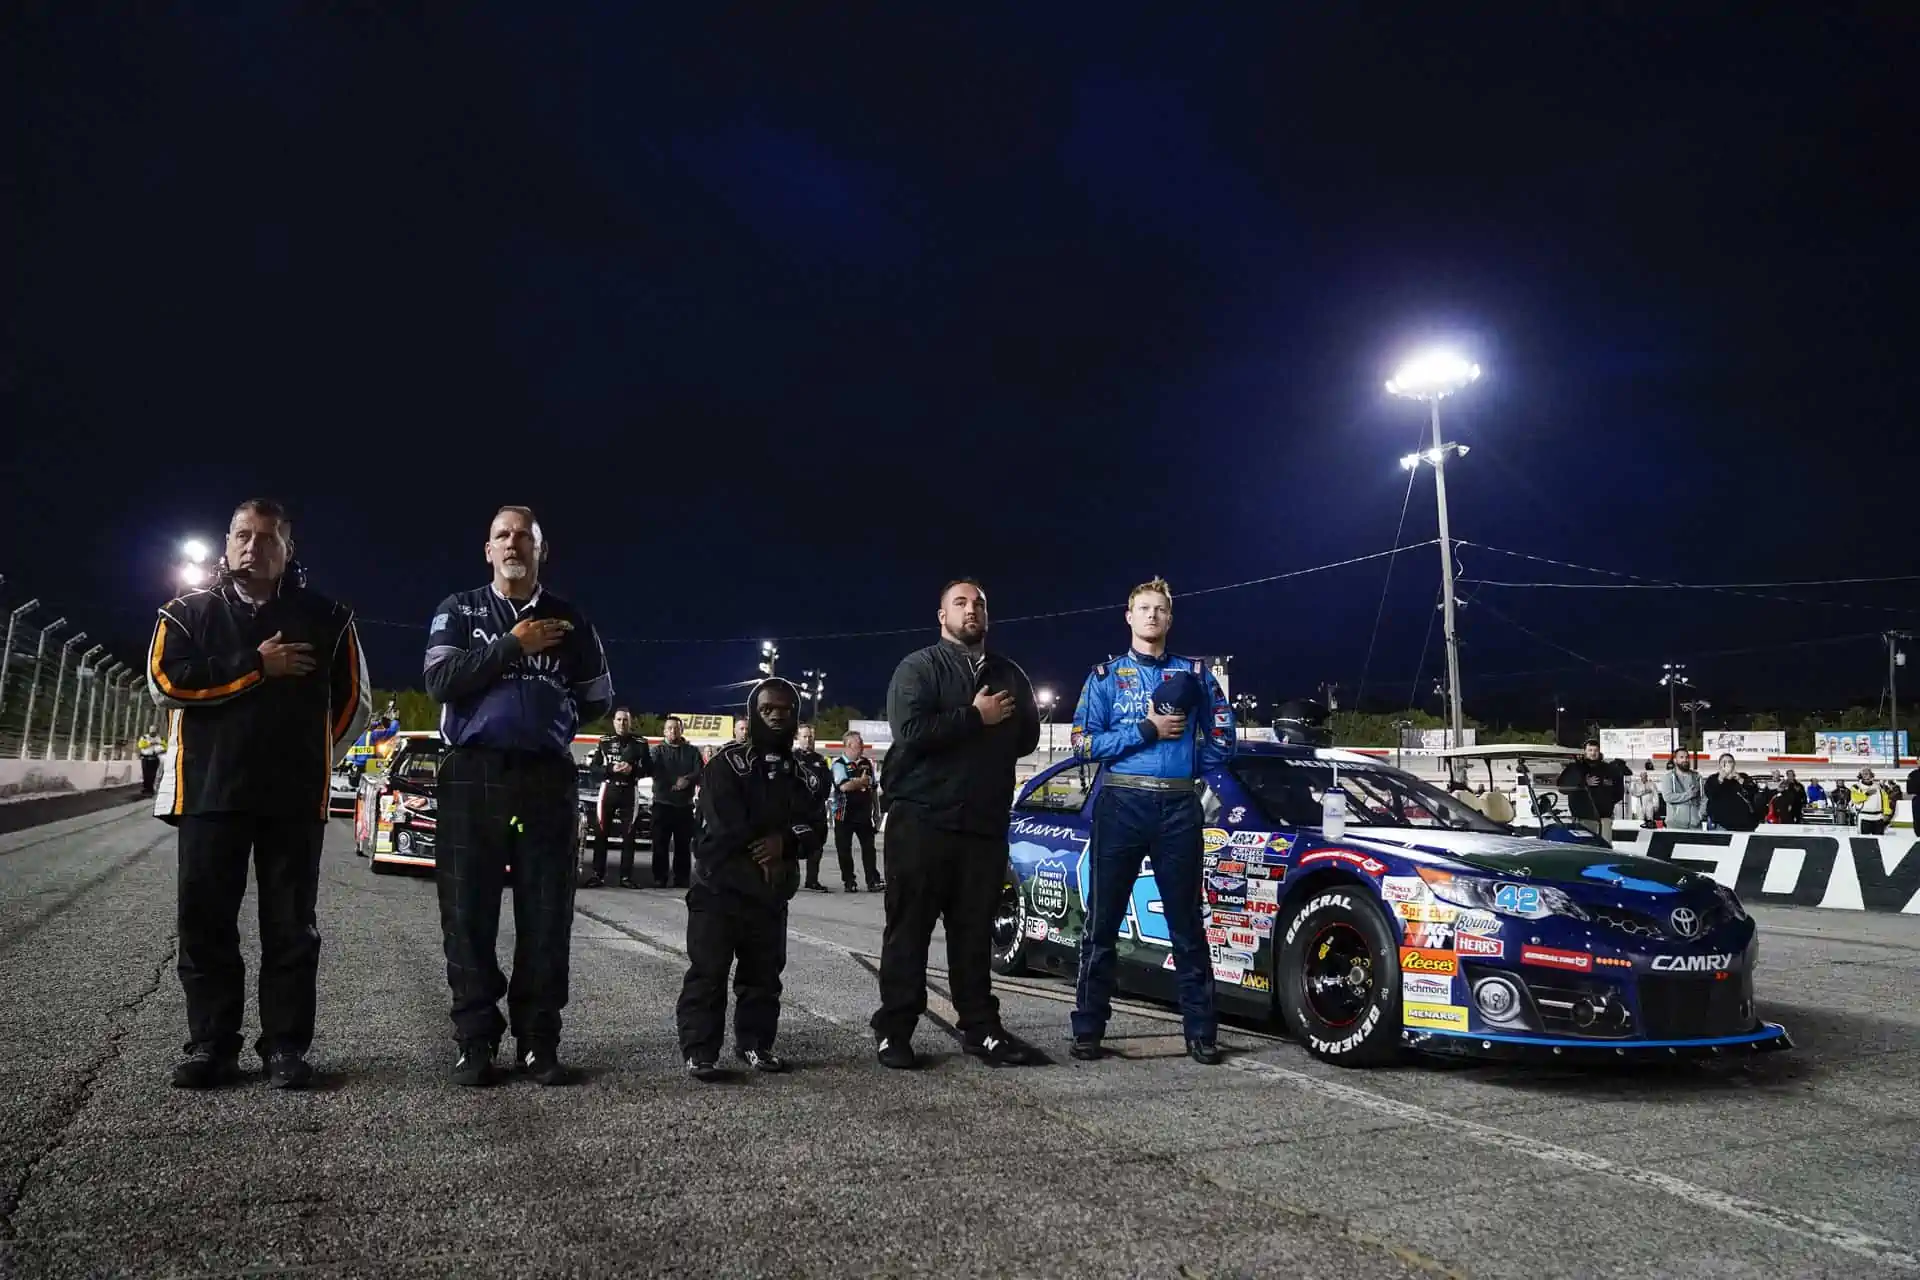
(1010, 929)
(1339, 978)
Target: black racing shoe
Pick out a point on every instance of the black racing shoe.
(1204, 1052)
(1087, 1049)
(594, 882)
(205, 1069)
(762, 1060)
(286, 1069)
(626, 883)
(896, 1054)
(539, 1062)
(816, 887)
(849, 888)
(876, 886)
(474, 1068)
(702, 1066)
(998, 1049)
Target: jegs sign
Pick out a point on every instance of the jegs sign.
(1840, 871)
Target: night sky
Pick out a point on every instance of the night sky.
(780, 322)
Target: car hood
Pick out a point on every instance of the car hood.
(1524, 858)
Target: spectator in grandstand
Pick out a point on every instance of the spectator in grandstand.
(1645, 793)
(962, 716)
(1681, 791)
(267, 689)
(1876, 804)
(1790, 801)
(1594, 786)
(855, 804)
(516, 670)
(807, 758)
(676, 767)
(1730, 799)
(1816, 794)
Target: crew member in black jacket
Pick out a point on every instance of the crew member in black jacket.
(515, 669)
(1594, 786)
(618, 763)
(961, 718)
(676, 778)
(761, 811)
(816, 764)
(266, 689)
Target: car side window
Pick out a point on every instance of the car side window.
(1065, 792)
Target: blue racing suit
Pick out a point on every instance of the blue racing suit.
(1155, 820)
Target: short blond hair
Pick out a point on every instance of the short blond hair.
(1158, 586)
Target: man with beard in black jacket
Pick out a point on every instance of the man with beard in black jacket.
(1594, 787)
(962, 718)
(619, 762)
(761, 812)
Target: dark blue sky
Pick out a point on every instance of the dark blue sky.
(780, 322)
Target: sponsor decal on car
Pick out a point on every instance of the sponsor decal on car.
(1227, 884)
(1474, 944)
(1430, 937)
(1232, 919)
(1055, 936)
(1372, 866)
(1453, 1017)
(1423, 960)
(1263, 925)
(1238, 814)
(1231, 901)
(1037, 830)
(1243, 939)
(1426, 988)
(1235, 867)
(1233, 974)
(1050, 889)
(1280, 844)
(1523, 899)
(1217, 937)
(1168, 962)
(1250, 839)
(1037, 929)
(1693, 964)
(1257, 982)
(1613, 962)
(1213, 839)
(1267, 891)
(1474, 920)
(1353, 1038)
(1403, 889)
(1259, 871)
(1425, 912)
(1552, 958)
(1324, 900)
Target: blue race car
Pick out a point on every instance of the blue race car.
(1426, 925)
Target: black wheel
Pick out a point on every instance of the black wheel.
(1010, 929)
(1340, 979)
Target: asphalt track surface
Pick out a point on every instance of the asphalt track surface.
(1803, 1163)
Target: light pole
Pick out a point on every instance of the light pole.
(6, 654)
(1673, 675)
(1044, 697)
(1433, 377)
(769, 657)
(33, 690)
(95, 744)
(59, 685)
(1693, 710)
(1896, 658)
(80, 677)
(129, 700)
(814, 688)
(1558, 710)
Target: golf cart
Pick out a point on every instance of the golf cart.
(1522, 788)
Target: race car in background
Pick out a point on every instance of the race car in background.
(1422, 925)
(394, 821)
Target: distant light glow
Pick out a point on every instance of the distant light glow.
(1044, 697)
(1431, 375)
(192, 575)
(195, 550)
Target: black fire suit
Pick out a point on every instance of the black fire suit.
(736, 914)
(617, 806)
(816, 764)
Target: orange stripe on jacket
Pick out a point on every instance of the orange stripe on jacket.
(189, 695)
(344, 720)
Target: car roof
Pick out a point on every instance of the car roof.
(1502, 750)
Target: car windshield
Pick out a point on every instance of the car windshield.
(1289, 789)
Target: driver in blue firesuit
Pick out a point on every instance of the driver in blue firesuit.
(1160, 722)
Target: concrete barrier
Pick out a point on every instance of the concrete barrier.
(25, 779)
(1832, 867)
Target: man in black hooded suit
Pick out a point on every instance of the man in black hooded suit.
(761, 811)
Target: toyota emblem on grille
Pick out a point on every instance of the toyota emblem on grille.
(1685, 922)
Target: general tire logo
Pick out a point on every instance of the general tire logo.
(1350, 1042)
(1324, 900)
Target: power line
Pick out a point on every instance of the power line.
(1002, 622)
(1385, 583)
(1635, 582)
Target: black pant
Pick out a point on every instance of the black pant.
(499, 809)
(1874, 826)
(673, 832)
(729, 930)
(213, 882)
(843, 834)
(932, 875)
(617, 809)
(149, 770)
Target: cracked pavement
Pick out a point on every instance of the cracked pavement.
(1798, 1164)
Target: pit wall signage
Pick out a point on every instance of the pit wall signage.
(1841, 872)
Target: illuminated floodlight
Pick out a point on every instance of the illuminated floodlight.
(193, 575)
(1432, 375)
(195, 551)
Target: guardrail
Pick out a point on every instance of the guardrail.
(62, 696)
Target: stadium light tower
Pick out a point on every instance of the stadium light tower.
(769, 657)
(1433, 376)
(1044, 698)
(6, 654)
(82, 681)
(33, 689)
(194, 569)
(1673, 675)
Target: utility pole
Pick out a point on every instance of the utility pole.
(1558, 708)
(6, 654)
(33, 690)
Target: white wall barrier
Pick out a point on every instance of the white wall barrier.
(36, 779)
(1796, 866)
